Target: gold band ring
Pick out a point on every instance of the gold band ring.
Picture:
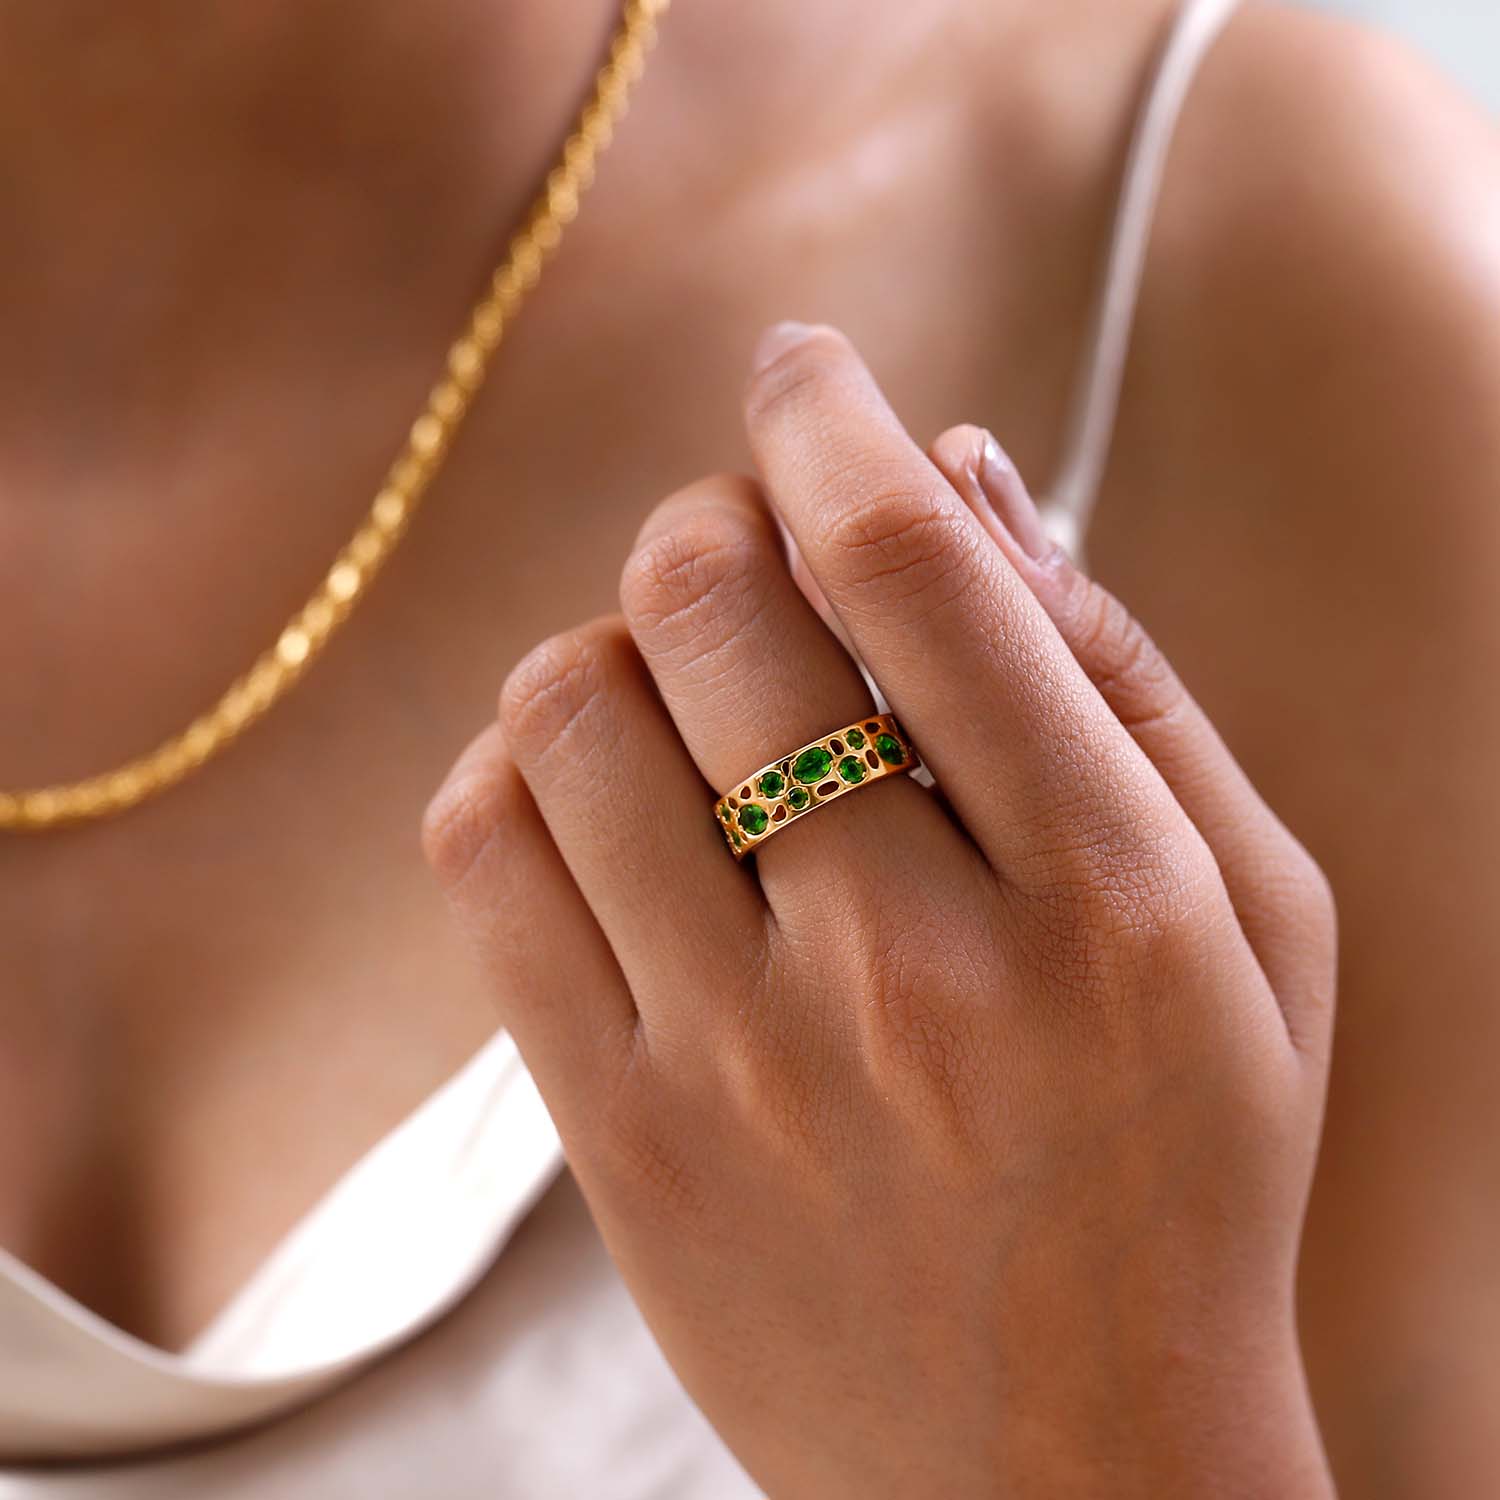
(783, 791)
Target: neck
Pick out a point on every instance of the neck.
(172, 165)
(88, 89)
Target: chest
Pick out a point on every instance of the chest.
(217, 1002)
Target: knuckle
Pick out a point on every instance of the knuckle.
(904, 542)
(1121, 659)
(1167, 915)
(922, 1024)
(1316, 894)
(782, 1080)
(556, 689)
(1300, 897)
(920, 976)
(1316, 919)
(691, 579)
(645, 1161)
(1128, 912)
(795, 372)
(465, 819)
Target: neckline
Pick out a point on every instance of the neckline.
(394, 1243)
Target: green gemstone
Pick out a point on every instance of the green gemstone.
(852, 769)
(798, 798)
(735, 835)
(754, 819)
(812, 765)
(892, 752)
(856, 738)
(771, 784)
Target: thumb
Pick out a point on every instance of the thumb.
(1280, 895)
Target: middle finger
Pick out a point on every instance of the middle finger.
(1041, 772)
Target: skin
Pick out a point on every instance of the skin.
(1309, 425)
(955, 1148)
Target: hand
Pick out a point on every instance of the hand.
(954, 1145)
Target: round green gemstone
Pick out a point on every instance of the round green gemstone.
(892, 752)
(754, 819)
(856, 738)
(798, 798)
(812, 765)
(771, 784)
(852, 769)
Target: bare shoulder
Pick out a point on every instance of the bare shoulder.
(1322, 151)
(1330, 238)
(1312, 405)
(1305, 508)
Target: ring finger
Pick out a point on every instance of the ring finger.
(750, 673)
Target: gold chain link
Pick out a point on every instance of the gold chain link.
(346, 582)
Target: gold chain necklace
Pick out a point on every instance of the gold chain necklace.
(381, 530)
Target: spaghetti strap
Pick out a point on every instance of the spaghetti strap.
(1096, 401)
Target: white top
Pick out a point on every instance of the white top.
(543, 1380)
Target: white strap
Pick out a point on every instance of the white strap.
(1096, 404)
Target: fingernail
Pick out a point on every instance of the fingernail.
(775, 341)
(1011, 501)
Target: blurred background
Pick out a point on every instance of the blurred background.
(1464, 35)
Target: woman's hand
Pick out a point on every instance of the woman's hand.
(953, 1146)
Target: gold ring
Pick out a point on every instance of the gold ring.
(786, 789)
